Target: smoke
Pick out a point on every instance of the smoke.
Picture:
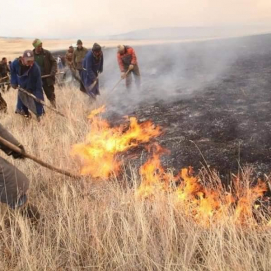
(170, 72)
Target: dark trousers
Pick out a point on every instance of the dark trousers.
(6, 80)
(82, 87)
(13, 185)
(49, 92)
(137, 77)
(22, 108)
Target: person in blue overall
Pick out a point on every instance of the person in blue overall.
(25, 73)
(92, 66)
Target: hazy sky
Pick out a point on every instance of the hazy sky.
(73, 18)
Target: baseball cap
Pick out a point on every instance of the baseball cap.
(28, 55)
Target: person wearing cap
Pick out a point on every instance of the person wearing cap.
(13, 183)
(25, 73)
(128, 65)
(48, 66)
(78, 56)
(92, 66)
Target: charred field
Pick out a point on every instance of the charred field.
(212, 100)
(210, 96)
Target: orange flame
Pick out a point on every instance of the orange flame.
(205, 205)
(103, 143)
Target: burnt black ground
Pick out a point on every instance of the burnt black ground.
(214, 95)
(226, 111)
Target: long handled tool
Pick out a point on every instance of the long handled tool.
(94, 83)
(1, 79)
(41, 102)
(43, 77)
(4, 84)
(35, 159)
(120, 81)
(81, 82)
(49, 75)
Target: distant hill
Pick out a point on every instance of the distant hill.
(172, 33)
(165, 33)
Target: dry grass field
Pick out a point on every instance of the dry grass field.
(12, 48)
(92, 224)
(139, 220)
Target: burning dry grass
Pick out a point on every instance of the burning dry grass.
(88, 225)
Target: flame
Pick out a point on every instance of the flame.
(103, 143)
(205, 202)
(154, 178)
(205, 205)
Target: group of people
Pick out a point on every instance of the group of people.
(34, 72)
(89, 64)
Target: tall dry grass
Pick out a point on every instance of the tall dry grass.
(88, 225)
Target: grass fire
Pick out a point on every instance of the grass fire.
(206, 203)
(170, 175)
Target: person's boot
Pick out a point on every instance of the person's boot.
(27, 115)
(31, 212)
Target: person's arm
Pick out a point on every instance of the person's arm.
(74, 60)
(101, 68)
(14, 78)
(68, 62)
(53, 64)
(7, 136)
(134, 59)
(38, 83)
(121, 66)
(90, 73)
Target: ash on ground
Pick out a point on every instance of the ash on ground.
(211, 98)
